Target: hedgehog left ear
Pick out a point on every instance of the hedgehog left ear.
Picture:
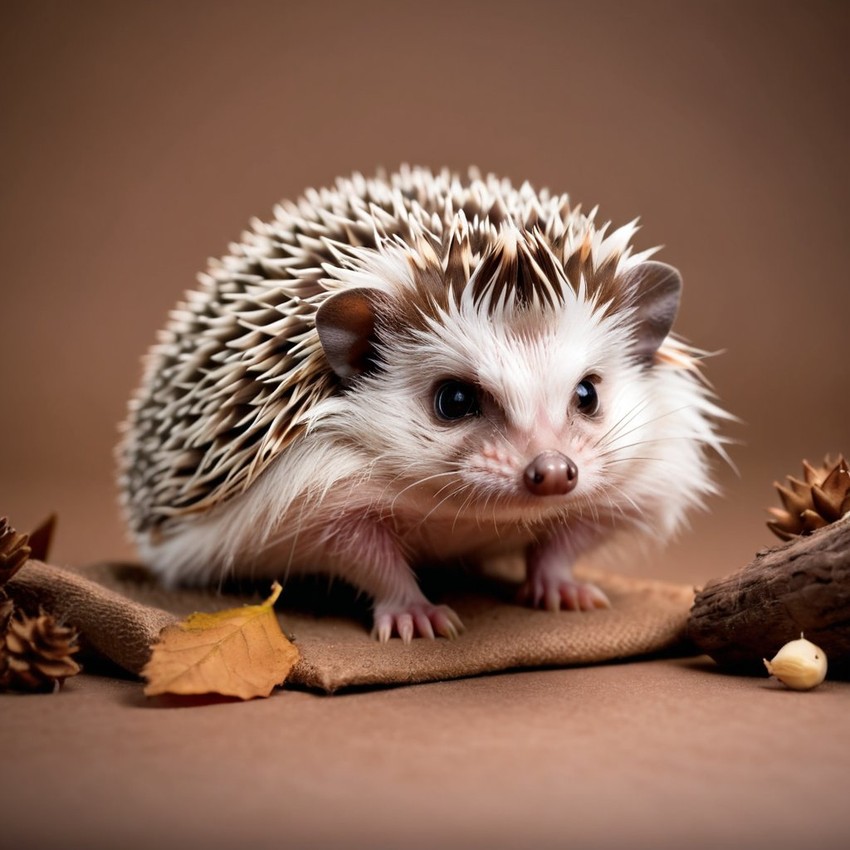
(346, 326)
(656, 289)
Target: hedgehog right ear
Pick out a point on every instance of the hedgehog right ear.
(656, 291)
(346, 326)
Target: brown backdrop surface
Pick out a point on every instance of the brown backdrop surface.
(139, 138)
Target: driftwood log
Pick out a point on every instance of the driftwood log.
(800, 586)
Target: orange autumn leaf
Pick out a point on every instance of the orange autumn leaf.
(240, 652)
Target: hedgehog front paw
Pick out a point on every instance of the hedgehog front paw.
(558, 592)
(420, 619)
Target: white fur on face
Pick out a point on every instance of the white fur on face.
(651, 421)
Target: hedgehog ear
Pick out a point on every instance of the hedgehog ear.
(656, 291)
(346, 326)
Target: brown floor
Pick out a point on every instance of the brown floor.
(658, 754)
(139, 138)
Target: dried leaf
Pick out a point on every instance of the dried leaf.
(240, 652)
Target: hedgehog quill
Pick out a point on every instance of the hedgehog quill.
(418, 368)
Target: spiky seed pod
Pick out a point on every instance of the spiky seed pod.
(35, 653)
(14, 550)
(822, 497)
(240, 366)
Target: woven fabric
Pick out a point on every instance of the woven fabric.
(120, 610)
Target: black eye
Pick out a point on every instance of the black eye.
(587, 400)
(455, 399)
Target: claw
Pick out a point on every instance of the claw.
(404, 624)
(416, 620)
(446, 622)
(592, 597)
(424, 627)
(554, 593)
(383, 628)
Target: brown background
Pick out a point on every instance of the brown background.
(139, 138)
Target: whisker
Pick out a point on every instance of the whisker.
(643, 424)
(623, 420)
(451, 495)
(462, 507)
(627, 497)
(418, 482)
(613, 460)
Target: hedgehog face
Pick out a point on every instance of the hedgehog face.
(509, 413)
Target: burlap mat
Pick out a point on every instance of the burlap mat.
(336, 649)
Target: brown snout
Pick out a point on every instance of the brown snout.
(550, 474)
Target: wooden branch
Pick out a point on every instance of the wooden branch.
(800, 586)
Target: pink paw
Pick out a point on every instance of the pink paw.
(556, 593)
(421, 619)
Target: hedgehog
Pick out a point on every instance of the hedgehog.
(414, 369)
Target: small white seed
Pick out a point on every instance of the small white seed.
(799, 665)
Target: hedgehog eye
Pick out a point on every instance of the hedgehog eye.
(587, 399)
(455, 400)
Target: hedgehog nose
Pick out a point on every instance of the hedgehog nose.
(551, 474)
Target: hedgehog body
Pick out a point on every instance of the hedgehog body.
(417, 368)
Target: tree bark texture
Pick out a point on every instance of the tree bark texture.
(800, 586)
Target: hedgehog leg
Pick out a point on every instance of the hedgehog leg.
(549, 579)
(369, 557)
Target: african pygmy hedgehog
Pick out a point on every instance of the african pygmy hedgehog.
(417, 368)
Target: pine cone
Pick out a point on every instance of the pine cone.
(14, 550)
(35, 653)
(41, 538)
(822, 498)
(6, 609)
